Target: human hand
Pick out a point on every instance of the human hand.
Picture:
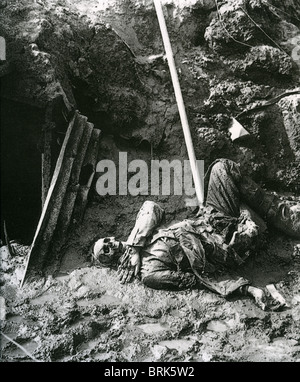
(130, 264)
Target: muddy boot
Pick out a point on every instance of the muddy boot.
(276, 212)
(285, 217)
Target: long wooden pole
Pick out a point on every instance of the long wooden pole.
(199, 188)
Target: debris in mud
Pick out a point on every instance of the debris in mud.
(235, 59)
(89, 316)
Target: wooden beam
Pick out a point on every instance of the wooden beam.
(55, 196)
(87, 176)
(66, 211)
(46, 162)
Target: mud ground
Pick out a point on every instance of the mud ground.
(86, 315)
(96, 58)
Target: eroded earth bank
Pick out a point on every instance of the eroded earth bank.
(104, 59)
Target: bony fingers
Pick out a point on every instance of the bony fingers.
(125, 263)
(129, 275)
(125, 258)
(124, 276)
(120, 274)
(126, 253)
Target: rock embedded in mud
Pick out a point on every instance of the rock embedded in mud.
(263, 64)
(159, 352)
(210, 142)
(237, 24)
(290, 108)
(220, 34)
(2, 309)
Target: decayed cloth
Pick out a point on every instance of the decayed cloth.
(194, 252)
(183, 256)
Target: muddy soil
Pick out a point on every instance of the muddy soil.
(86, 315)
(94, 57)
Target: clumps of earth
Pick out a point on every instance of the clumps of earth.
(88, 316)
(234, 59)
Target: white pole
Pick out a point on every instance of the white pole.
(184, 121)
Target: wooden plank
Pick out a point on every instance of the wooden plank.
(57, 104)
(65, 215)
(53, 202)
(46, 151)
(88, 170)
(46, 164)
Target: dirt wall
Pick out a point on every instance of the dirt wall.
(97, 57)
(104, 58)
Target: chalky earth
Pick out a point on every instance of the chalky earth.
(105, 59)
(88, 316)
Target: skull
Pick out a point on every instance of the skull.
(106, 250)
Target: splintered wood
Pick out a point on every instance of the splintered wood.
(67, 196)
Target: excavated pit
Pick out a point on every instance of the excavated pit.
(95, 58)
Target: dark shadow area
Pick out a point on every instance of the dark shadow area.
(85, 100)
(20, 169)
(85, 174)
